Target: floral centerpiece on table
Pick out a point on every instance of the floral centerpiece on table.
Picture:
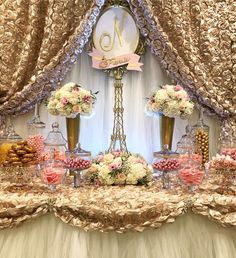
(119, 168)
(70, 100)
(170, 100)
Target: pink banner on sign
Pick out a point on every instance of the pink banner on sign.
(100, 62)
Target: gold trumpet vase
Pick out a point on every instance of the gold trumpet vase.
(166, 130)
(73, 130)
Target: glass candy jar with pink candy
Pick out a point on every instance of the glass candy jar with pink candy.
(186, 148)
(228, 147)
(53, 173)
(191, 173)
(35, 133)
(166, 165)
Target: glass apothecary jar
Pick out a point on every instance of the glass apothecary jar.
(191, 174)
(7, 139)
(201, 139)
(186, 149)
(55, 145)
(166, 165)
(53, 173)
(35, 134)
(228, 147)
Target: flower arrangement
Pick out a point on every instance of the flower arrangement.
(71, 100)
(172, 101)
(119, 168)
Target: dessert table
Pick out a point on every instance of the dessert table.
(124, 222)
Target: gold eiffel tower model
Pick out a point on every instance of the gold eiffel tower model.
(118, 138)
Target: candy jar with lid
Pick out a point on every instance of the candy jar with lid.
(53, 173)
(185, 148)
(55, 145)
(227, 146)
(191, 174)
(166, 164)
(7, 139)
(35, 133)
(201, 139)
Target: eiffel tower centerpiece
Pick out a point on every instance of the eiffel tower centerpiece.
(118, 137)
(116, 48)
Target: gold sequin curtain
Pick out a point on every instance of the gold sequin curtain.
(39, 42)
(195, 42)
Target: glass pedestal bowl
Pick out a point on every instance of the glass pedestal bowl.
(76, 162)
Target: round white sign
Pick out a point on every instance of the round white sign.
(116, 33)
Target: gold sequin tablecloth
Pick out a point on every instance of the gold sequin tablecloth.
(114, 208)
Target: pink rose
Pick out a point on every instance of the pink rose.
(64, 101)
(87, 99)
(178, 87)
(115, 165)
(99, 158)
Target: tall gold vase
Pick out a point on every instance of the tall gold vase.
(166, 130)
(73, 130)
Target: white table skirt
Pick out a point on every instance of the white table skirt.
(191, 236)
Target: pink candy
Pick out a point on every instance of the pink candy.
(77, 163)
(36, 141)
(230, 152)
(53, 175)
(184, 158)
(166, 165)
(191, 176)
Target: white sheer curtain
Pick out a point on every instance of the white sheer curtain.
(142, 132)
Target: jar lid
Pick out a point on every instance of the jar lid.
(55, 137)
(79, 152)
(186, 142)
(200, 123)
(12, 135)
(36, 122)
(166, 153)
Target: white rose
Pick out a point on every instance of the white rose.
(182, 94)
(73, 100)
(108, 158)
(59, 106)
(171, 91)
(138, 170)
(68, 86)
(109, 180)
(131, 179)
(86, 108)
(161, 96)
(103, 172)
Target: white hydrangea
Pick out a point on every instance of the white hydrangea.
(161, 96)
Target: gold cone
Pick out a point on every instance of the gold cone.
(166, 130)
(73, 130)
